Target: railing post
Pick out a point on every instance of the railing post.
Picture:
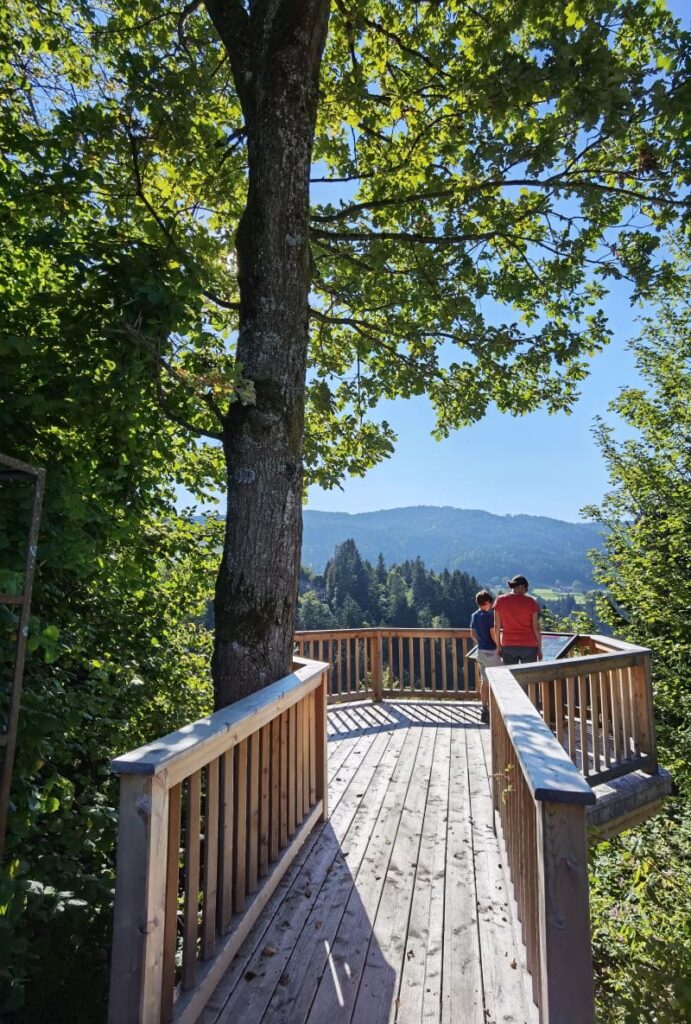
(566, 970)
(377, 681)
(320, 705)
(140, 901)
(643, 704)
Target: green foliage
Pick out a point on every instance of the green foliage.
(640, 891)
(645, 564)
(641, 883)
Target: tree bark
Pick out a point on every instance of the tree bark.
(275, 53)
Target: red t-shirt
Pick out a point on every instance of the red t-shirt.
(516, 611)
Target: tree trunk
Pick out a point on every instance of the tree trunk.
(275, 54)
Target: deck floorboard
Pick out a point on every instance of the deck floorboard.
(396, 910)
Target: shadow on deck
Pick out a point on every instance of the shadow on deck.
(396, 909)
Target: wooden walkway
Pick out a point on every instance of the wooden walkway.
(397, 908)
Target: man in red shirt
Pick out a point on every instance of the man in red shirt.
(517, 624)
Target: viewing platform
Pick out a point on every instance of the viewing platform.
(387, 859)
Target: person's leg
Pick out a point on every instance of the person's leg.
(484, 685)
(485, 660)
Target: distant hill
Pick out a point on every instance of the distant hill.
(489, 547)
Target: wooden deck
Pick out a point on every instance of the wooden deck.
(397, 908)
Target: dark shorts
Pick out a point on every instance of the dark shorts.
(516, 655)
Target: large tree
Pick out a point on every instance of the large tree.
(479, 173)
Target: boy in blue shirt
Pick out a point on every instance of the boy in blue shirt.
(482, 630)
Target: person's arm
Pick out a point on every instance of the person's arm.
(497, 630)
(538, 634)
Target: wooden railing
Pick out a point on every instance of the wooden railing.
(389, 663)
(541, 799)
(598, 706)
(210, 818)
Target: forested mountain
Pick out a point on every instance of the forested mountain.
(487, 546)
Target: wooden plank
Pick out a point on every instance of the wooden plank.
(292, 782)
(322, 771)
(190, 925)
(433, 663)
(283, 806)
(349, 670)
(264, 800)
(303, 709)
(442, 644)
(583, 717)
(401, 673)
(561, 733)
(504, 992)
(419, 995)
(605, 705)
(254, 770)
(299, 764)
(567, 991)
(240, 828)
(388, 942)
(171, 919)
(616, 714)
(182, 753)
(461, 973)
(311, 731)
(454, 663)
(140, 902)
(274, 842)
(643, 705)
(350, 952)
(571, 716)
(628, 732)
(226, 837)
(210, 890)
(595, 715)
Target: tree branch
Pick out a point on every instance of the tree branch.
(232, 22)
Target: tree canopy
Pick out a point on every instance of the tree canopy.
(478, 176)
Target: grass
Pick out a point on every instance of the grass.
(549, 594)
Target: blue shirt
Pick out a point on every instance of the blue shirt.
(482, 622)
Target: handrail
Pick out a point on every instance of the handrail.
(541, 798)
(211, 817)
(600, 708)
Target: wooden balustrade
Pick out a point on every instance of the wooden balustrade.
(389, 663)
(210, 819)
(599, 707)
(541, 799)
